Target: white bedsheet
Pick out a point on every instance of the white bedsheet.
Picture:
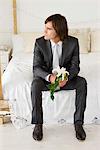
(90, 69)
(17, 80)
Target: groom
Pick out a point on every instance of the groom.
(57, 48)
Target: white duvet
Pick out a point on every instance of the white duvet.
(17, 80)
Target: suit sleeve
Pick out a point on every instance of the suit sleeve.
(75, 61)
(39, 68)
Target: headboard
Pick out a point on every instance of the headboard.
(14, 17)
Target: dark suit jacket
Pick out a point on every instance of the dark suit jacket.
(42, 61)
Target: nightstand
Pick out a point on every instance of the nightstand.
(5, 55)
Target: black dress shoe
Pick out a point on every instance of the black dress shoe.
(80, 133)
(38, 132)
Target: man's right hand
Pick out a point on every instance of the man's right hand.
(52, 78)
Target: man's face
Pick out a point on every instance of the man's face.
(49, 31)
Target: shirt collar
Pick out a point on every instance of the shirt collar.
(53, 43)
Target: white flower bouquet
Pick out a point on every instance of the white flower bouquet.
(61, 74)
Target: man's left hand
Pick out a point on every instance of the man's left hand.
(62, 83)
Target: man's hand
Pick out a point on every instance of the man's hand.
(62, 83)
(52, 78)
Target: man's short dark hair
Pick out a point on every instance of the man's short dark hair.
(59, 23)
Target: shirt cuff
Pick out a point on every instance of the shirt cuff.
(47, 77)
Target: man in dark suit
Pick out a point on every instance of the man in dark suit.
(45, 59)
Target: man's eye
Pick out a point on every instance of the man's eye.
(49, 29)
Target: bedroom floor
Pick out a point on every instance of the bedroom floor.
(56, 137)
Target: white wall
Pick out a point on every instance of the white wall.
(6, 16)
(6, 23)
(32, 14)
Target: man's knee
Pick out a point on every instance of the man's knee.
(37, 82)
(83, 82)
(37, 85)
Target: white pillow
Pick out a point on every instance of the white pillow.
(95, 40)
(24, 42)
(18, 44)
(83, 35)
(29, 39)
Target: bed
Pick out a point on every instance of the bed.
(17, 81)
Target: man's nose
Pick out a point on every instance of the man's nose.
(45, 31)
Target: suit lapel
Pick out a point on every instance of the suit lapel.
(49, 52)
(64, 51)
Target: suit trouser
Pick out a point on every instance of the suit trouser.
(39, 85)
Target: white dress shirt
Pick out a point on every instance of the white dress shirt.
(59, 49)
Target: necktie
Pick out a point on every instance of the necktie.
(56, 56)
